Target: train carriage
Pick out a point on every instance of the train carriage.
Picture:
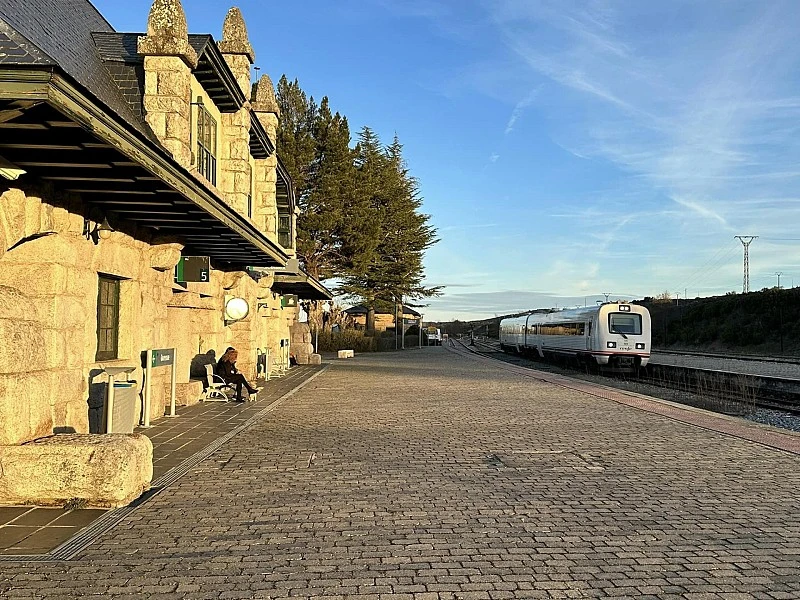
(614, 335)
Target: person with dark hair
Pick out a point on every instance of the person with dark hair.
(226, 368)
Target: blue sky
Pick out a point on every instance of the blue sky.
(564, 149)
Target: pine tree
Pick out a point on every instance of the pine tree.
(360, 218)
(330, 183)
(393, 233)
(295, 133)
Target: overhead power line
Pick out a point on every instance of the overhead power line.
(713, 264)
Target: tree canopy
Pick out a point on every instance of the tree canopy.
(360, 219)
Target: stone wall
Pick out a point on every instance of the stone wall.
(167, 98)
(48, 310)
(48, 316)
(234, 176)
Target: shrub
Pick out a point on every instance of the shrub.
(349, 339)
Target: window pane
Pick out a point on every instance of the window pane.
(625, 323)
(107, 317)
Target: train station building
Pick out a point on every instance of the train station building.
(142, 207)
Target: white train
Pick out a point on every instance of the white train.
(614, 335)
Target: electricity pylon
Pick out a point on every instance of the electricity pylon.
(746, 241)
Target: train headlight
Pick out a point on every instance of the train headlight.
(624, 308)
(640, 346)
(611, 344)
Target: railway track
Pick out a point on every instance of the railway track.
(790, 360)
(712, 389)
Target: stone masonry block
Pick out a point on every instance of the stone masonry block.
(166, 104)
(108, 470)
(178, 127)
(174, 83)
(23, 347)
(50, 278)
(241, 181)
(188, 394)
(158, 123)
(14, 414)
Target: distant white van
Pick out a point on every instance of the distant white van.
(434, 335)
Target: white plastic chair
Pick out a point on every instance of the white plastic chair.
(215, 386)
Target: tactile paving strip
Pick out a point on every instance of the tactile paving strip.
(788, 441)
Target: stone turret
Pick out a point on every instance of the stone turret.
(168, 64)
(235, 47)
(234, 160)
(265, 108)
(265, 105)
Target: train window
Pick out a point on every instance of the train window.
(626, 323)
(563, 329)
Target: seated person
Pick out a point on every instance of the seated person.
(226, 368)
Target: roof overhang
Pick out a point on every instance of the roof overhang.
(302, 284)
(260, 144)
(284, 189)
(66, 138)
(213, 73)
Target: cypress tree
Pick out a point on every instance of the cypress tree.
(360, 218)
(295, 133)
(393, 240)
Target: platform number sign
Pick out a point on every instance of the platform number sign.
(289, 301)
(193, 268)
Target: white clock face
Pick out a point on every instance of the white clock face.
(236, 308)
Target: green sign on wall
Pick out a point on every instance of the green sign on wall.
(162, 358)
(289, 301)
(193, 268)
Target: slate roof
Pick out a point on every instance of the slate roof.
(119, 52)
(62, 31)
(15, 49)
(117, 46)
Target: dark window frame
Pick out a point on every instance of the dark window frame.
(285, 232)
(206, 143)
(107, 318)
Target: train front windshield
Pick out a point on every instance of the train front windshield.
(625, 323)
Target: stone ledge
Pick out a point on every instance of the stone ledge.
(109, 470)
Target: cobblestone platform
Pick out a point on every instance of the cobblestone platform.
(427, 475)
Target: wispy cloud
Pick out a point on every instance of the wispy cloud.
(520, 108)
(690, 133)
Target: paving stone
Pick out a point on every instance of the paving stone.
(373, 481)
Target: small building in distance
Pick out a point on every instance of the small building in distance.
(357, 318)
